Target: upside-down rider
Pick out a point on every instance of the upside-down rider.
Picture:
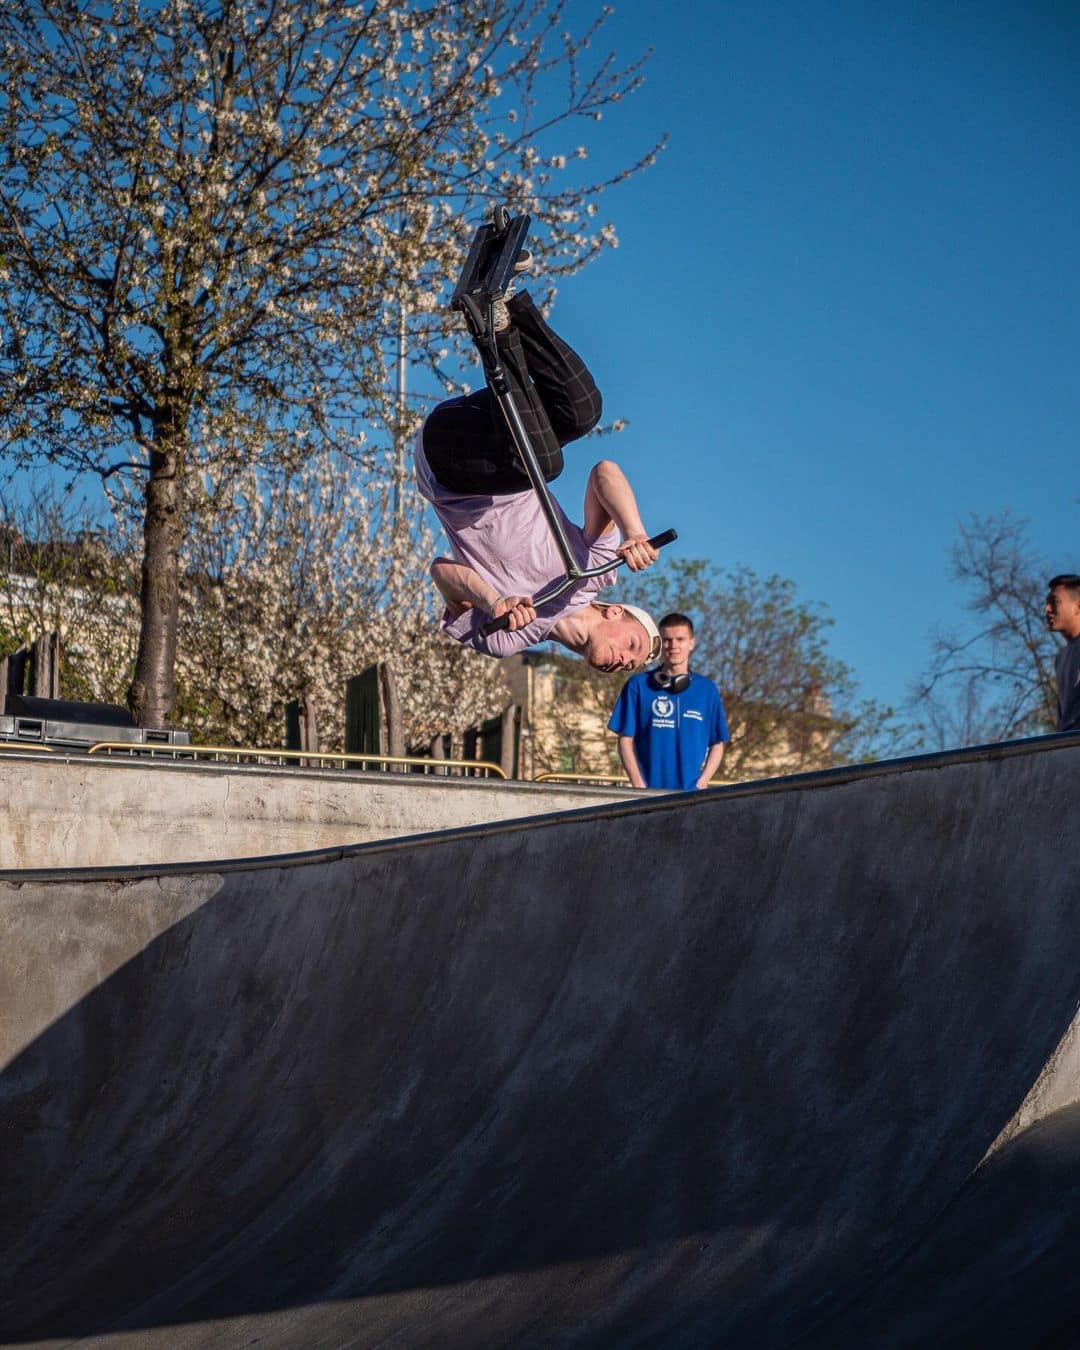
(504, 553)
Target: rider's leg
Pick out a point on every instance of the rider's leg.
(468, 447)
(466, 440)
(560, 377)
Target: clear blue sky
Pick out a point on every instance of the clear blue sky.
(845, 309)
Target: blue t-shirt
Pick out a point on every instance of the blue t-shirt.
(672, 732)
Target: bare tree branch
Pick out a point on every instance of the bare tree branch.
(993, 681)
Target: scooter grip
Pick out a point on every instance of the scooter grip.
(494, 625)
(665, 537)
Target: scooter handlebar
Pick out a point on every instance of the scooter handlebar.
(503, 621)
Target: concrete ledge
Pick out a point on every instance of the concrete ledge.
(73, 811)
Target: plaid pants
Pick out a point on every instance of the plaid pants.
(466, 440)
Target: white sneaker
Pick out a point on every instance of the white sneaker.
(500, 315)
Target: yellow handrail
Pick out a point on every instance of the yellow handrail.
(238, 754)
(25, 745)
(598, 779)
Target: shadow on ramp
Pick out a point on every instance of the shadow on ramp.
(715, 1070)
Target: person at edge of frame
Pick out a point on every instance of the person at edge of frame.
(1062, 609)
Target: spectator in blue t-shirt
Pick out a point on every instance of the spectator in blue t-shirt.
(670, 722)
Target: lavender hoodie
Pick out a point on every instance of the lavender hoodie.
(506, 540)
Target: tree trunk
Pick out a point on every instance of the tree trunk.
(152, 696)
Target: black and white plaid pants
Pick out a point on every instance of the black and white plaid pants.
(466, 440)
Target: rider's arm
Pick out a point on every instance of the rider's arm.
(712, 763)
(629, 761)
(610, 500)
(463, 589)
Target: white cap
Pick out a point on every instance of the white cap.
(646, 621)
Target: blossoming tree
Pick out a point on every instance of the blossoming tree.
(307, 578)
(300, 581)
(212, 213)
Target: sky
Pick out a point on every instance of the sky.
(844, 313)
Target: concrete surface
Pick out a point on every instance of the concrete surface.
(787, 1066)
(79, 811)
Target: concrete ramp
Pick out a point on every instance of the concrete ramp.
(785, 1065)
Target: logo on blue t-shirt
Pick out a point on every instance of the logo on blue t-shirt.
(662, 706)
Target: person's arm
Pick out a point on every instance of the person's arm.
(463, 589)
(610, 500)
(629, 762)
(712, 763)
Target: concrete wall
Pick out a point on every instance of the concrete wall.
(763, 1067)
(75, 811)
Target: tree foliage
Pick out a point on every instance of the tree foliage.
(994, 679)
(791, 705)
(57, 574)
(212, 215)
(303, 582)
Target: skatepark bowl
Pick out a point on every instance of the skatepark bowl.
(784, 1064)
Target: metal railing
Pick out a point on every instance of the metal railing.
(25, 745)
(231, 754)
(586, 779)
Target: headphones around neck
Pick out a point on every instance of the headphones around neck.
(674, 684)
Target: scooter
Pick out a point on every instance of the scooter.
(488, 271)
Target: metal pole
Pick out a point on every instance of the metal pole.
(400, 406)
(399, 473)
(505, 399)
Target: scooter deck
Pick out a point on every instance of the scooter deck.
(489, 268)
